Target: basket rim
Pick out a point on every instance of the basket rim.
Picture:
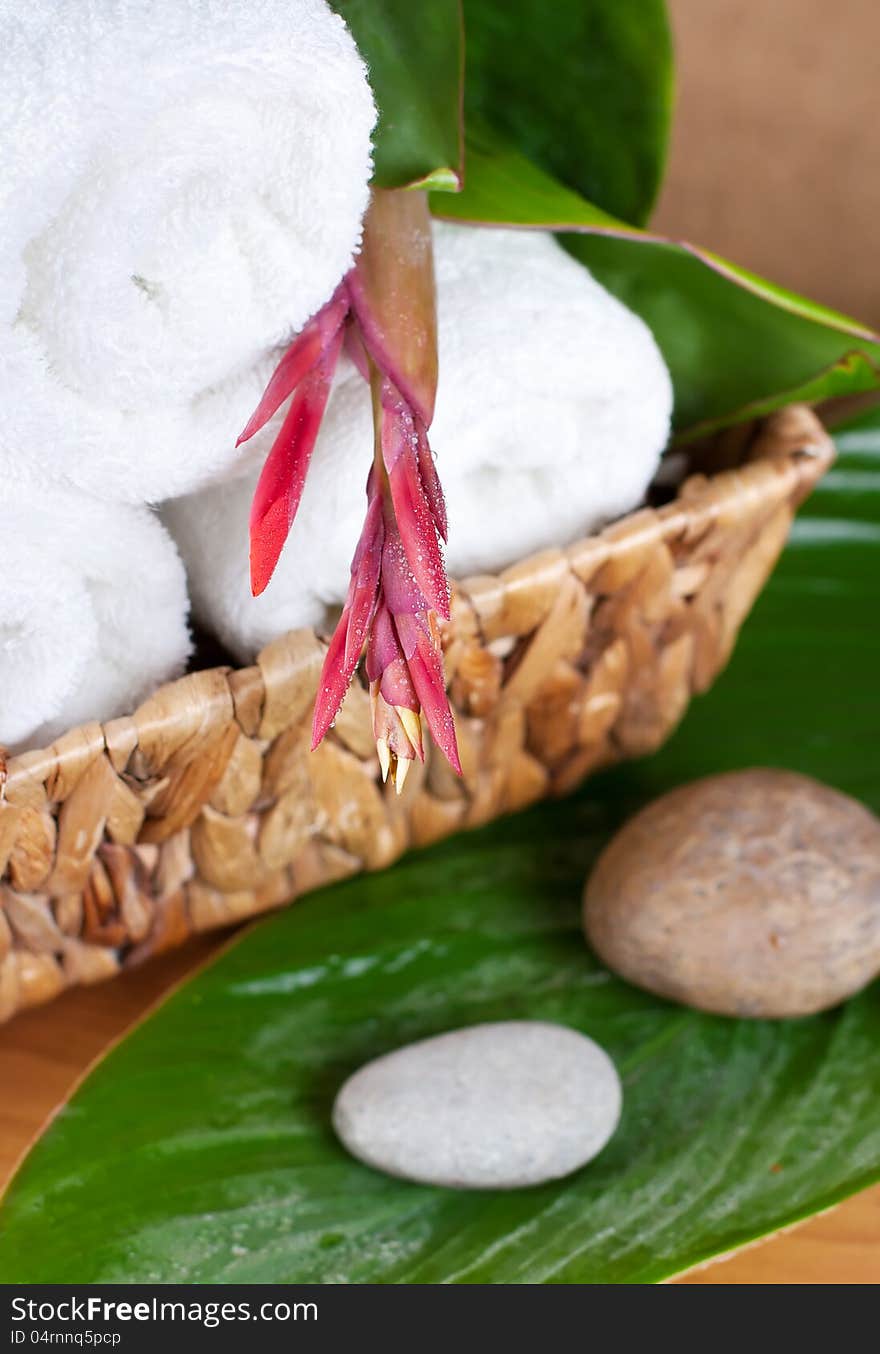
(786, 454)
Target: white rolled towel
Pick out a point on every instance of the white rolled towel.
(93, 610)
(553, 409)
(181, 185)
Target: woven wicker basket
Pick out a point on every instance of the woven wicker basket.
(205, 806)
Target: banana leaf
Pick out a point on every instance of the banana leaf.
(201, 1149)
(582, 87)
(737, 346)
(414, 54)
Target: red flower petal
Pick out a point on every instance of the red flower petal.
(431, 486)
(397, 687)
(415, 520)
(425, 664)
(344, 651)
(383, 648)
(280, 485)
(336, 675)
(401, 591)
(302, 355)
(363, 589)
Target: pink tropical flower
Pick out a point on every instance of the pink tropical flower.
(384, 314)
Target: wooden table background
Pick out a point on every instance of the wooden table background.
(774, 163)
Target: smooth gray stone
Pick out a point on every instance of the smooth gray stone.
(490, 1107)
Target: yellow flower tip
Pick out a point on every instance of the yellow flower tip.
(412, 727)
(384, 758)
(401, 772)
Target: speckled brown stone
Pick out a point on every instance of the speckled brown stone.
(755, 893)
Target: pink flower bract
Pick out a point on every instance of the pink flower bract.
(384, 313)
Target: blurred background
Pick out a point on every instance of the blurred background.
(775, 158)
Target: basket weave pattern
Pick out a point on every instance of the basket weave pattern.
(205, 806)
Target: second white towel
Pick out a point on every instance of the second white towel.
(553, 409)
(92, 612)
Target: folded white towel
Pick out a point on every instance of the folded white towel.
(93, 612)
(553, 408)
(181, 186)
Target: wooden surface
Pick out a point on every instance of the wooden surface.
(788, 111)
(44, 1052)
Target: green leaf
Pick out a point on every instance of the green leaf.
(201, 1149)
(584, 89)
(415, 54)
(735, 344)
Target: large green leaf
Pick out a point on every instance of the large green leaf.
(735, 344)
(583, 88)
(201, 1148)
(415, 53)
